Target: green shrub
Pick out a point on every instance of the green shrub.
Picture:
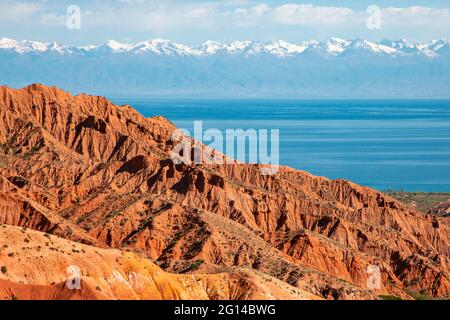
(196, 264)
(389, 297)
(422, 295)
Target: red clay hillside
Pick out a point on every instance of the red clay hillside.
(84, 182)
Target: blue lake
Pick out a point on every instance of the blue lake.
(395, 144)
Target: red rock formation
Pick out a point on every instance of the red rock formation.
(88, 171)
(114, 274)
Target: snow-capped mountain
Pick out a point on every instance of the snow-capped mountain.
(334, 46)
(23, 46)
(333, 68)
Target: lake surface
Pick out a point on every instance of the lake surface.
(382, 144)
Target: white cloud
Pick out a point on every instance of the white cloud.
(249, 16)
(307, 14)
(16, 11)
(162, 15)
(289, 14)
(235, 17)
(415, 16)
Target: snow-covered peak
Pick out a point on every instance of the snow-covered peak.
(117, 46)
(434, 45)
(379, 48)
(282, 48)
(278, 48)
(444, 48)
(432, 48)
(6, 43)
(56, 47)
(162, 46)
(399, 44)
(210, 47)
(238, 46)
(340, 41)
(336, 46)
(155, 46)
(23, 46)
(26, 46)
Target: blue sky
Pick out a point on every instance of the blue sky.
(192, 22)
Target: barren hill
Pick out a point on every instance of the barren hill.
(87, 171)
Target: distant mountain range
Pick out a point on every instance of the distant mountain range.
(334, 68)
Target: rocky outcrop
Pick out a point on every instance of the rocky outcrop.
(88, 171)
(53, 266)
(442, 209)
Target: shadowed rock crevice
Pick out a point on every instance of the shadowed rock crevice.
(134, 165)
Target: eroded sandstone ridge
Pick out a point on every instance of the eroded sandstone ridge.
(92, 175)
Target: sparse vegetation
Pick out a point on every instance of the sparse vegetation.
(195, 265)
(422, 295)
(4, 269)
(389, 297)
(424, 201)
